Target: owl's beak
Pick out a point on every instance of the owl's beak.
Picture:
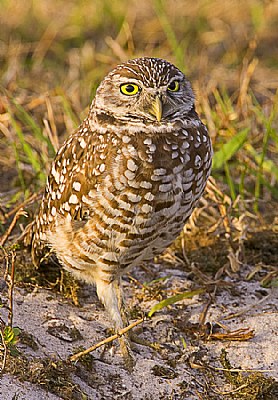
(156, 108)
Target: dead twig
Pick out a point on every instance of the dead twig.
(206, 307)
(241, 334)
(121, 332)
(19, 213)
(245, 385)
(246, 309)
(240, 370)
(30, 199)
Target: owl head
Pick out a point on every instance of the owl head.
(148, 90)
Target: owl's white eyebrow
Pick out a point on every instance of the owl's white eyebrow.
(178, 78)
(126, 80)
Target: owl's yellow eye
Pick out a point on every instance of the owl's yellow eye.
(174, 86)
(129, 89)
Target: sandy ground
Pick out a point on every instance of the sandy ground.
(182, 370)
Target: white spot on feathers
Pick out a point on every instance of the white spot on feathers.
(73, 199)
(82, 143)
(76, 186)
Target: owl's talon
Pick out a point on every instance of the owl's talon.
(129, 359)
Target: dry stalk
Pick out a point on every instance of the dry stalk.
(30, 199)
(9, 279)
(121, 332)
(3, 346)
(246, 309)
(52, 129)
(203, 314)
(18, 214)
(241, 334)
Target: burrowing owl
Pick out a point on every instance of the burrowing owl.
(123, 185)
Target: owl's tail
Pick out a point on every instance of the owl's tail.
(28, 239)
(27, 235)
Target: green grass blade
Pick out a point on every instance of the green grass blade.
(154, 281)
(177, 49)
(68, 109)
(230, 181)
(27, 119)
(229, 149)
(173, 300)
(31, 156)
(268, 166)
(19, 171)
(241, 187)
(184, 345)
(260, 169)
(224, 101)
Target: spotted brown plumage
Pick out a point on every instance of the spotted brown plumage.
(123, 185)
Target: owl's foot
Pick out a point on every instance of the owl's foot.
(129, 359)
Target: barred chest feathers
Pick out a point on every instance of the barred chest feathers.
(149, 186)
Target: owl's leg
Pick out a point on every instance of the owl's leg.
(111, 296)
(134, 338)
(121, 301)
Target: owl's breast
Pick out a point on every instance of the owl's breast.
(143, 198)
(162, 181)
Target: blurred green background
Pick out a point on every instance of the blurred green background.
(53, 54)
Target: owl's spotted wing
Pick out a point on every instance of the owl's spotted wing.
(75, 173)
